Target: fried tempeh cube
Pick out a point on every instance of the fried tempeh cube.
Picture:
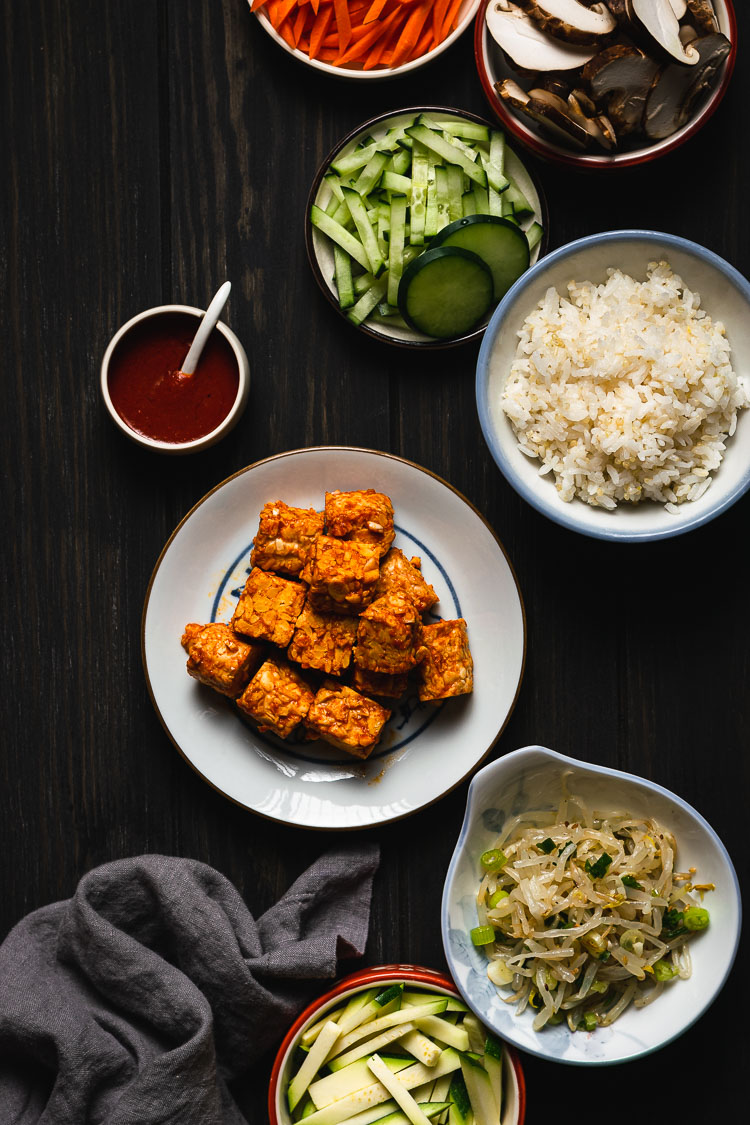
(323, 641)
(277, 697)
(446, 667)
(363, 515)
(346, 719)
(284, 537)
(380, 683)
(341, 574)
(219, 658)
(388, 635)
(268, 607)
(402, 576)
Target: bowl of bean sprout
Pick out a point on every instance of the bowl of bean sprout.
(576, 897)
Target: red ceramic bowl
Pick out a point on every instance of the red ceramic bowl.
(493, 67)
(514, 1084)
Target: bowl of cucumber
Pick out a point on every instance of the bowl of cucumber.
(417, 224)
(394, 1043)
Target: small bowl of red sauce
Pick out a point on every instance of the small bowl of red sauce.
(150, 399)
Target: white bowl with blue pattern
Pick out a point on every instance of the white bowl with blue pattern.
(532, 778)
(725, 295)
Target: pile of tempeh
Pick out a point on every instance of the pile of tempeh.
(329, 594)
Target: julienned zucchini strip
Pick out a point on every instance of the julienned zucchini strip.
(389, 198)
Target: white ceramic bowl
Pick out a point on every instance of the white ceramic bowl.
(725, 295)
(206, 440)
(466, 14)
(514, 1088)
(493, 67)
(531, 778)
(320, 248)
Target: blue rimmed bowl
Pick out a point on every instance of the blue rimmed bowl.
(532, 779)
(725, 295)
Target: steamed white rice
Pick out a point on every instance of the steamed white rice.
(625, 390)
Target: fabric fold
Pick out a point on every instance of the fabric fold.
(138, 999)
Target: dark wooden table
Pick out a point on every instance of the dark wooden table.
(152, 149)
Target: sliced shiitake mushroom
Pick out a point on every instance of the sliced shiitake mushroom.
(547, 110)
(527, 46)
(658, 19)
(620, 79)
(572, 21)
(703, 15)
(675, 92)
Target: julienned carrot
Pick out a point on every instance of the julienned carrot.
(373, 34)
(374, 10)
(449, 22)
(319, 29)
(278, 10)
(343, 22)
(365, 33)
(300, 21)
(411, 32)
(438, 15)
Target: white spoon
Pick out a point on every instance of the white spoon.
(205, 328)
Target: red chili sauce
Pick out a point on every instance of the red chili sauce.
(151, 395)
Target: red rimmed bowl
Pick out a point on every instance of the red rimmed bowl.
(514, 1087)
(493, 67)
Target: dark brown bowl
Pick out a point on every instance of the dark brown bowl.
(318, 246)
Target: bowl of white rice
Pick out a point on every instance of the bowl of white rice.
(613, 385)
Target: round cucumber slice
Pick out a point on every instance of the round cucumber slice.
(445, 291)
(502, 245)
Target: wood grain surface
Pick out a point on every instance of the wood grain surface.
(150, 150)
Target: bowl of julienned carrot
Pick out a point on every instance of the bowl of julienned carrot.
(365, 38)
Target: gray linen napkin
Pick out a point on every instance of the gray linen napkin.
(136, 1000)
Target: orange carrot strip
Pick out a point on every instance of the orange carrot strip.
(315, 4)
(285, 31)
(257, 4)
(411, 32)
(278, 10)
(299, 22)
(374, 10)
(425, 44)
(319, 29)
(375, 55)
(373, 34)
(438, 15)
(450, 19)
(343, 23)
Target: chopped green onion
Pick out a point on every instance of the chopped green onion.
(547, 846)
(604, 956)
(663, 971)
(695, 918)
(629, 938)
(600, 867)
(599, 986)
(631, 881)
(482, 935)
(672, 925)
(589, 1022)
(493, 860)
(496, 897)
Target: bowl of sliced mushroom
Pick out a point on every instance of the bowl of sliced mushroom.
(604, 84)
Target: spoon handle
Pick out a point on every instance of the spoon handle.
(207, 325)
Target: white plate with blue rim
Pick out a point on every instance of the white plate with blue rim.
(425, 751)
(534, 778)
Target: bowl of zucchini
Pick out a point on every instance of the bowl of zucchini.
(394, 1044)
(419, 221)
